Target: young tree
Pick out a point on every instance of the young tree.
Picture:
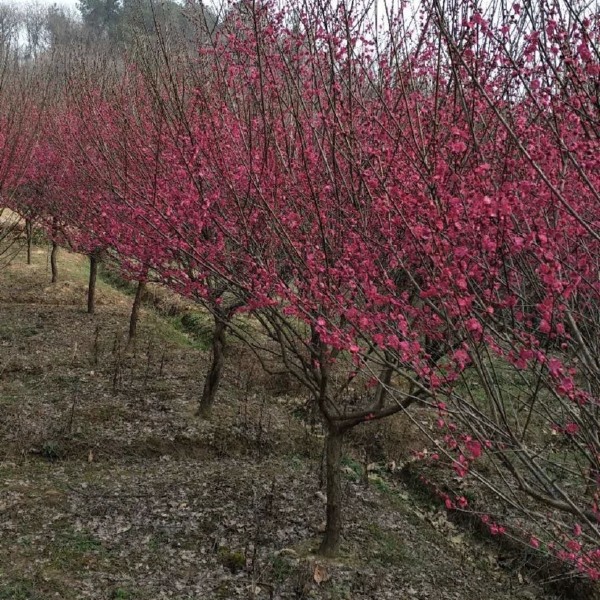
(23, 90)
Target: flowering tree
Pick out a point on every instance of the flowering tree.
(22, 90)
(399, 229)
(534, 359)
(408, 208)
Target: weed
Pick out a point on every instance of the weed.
(66, 380)
(234, 560)
(224, 591)
(122, 594)
(81, 542)
(52, 450)
(340, 591)
(388, 548)
(300, 413)
(72, 549)
(170, 329)
(29, 331)
(22, 590)
(282, 569)
(296, 463)
(352, 468)
(198, 327)
(111, 277)
(7, 399)
(380, 484)
(157, 541)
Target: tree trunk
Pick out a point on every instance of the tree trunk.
(135, 309)
(91, 306)
(53, 266)
(29, 234)
(213, 377)
(333, 460)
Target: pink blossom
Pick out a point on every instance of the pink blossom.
(474, 448)
(458, 146)
(571, 428)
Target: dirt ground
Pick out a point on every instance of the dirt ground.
(111, 487)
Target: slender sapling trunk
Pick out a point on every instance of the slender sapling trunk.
(135, 309)
(91, 306)
(53, 265)
(29, 234)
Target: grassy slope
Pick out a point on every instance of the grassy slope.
(111, 488)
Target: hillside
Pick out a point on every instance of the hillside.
(112, 488)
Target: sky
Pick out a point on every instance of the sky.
(24, 3)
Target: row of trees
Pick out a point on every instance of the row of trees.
(408, 205)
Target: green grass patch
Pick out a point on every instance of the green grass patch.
(282, 568)
(199, 326)
(380, 484)
(234, 560)
(111, 277)
(72, 550)
(387, 547)
(19, 590)
(296, 462)
(123, 594)
(171, 330)
(352, 469)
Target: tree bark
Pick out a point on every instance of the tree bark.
(29, 234)
(53, 265)
(91, 306)
(333, 461)
(213, 377)
(135, 309)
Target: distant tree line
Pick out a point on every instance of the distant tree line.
(33, 30)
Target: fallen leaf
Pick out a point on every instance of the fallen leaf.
(320, 574)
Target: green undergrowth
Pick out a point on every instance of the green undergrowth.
(387, 547)
(19, 590)
(110, 276)
(187, 327)
(172, 329)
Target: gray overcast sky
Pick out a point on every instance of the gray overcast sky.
(24, 3)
